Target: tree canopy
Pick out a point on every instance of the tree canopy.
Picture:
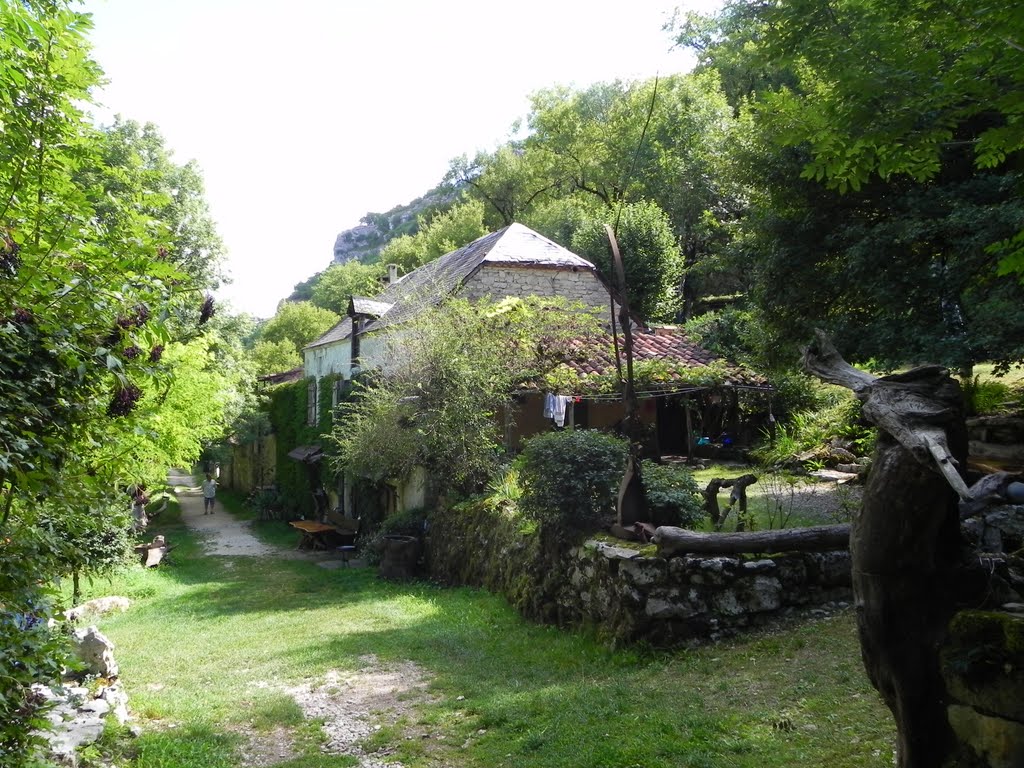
(875, 203)
(298, 323)
(106, 257)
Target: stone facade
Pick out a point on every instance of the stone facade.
(574, 285)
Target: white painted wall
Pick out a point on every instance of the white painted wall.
(328, 359)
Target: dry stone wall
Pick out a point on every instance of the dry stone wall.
(627, 595)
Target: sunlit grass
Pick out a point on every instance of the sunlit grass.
(210, 643)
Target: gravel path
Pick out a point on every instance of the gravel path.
(351, 705)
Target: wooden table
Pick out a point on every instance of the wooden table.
(314, 535)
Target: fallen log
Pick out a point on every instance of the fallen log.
(674, 541)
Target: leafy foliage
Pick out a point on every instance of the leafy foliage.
(447, 377)
(652, 261)
(298, 323)
(30, 651)
(339, 282)
(673, 497)
(274, 357)
(106, 252)
(287, 411)
(571, 478)
(444, 232)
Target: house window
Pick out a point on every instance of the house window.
(313, 402)
(338, 392)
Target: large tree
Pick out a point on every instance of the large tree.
(91, 299)
(890, 89)
(891, 256)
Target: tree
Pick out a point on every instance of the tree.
(510, 181)
(444, 232)
(90, 299)
(298, 323)
(274, 357)
(136, 166)
(336, 284)
(653, 263)
(890, 89)
(896, 267)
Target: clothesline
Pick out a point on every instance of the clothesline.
(659, 393)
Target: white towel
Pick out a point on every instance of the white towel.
(558, 411)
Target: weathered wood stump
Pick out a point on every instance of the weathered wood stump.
(906, 548)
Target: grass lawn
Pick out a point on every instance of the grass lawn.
(209, 644)
(779, 500)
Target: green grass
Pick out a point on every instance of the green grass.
(203, 631)
(779, 500)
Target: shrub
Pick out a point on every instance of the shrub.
(836, 418)
(984, 396)
(32, 652)
(673, 497)
(571, 478)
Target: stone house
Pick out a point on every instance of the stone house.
(514, 261)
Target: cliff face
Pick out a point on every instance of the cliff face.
(375, 230)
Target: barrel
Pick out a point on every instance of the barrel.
(399, 558)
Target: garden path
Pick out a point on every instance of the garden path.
(225, 535)
(352, 706)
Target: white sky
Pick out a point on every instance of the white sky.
(304, 115)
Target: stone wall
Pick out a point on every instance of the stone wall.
(580, 285)
(627, 594)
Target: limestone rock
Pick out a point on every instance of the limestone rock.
(95, 651)
(98, 607)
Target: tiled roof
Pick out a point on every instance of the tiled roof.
(596, 356)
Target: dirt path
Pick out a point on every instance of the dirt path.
(225, 535)
(351, 705)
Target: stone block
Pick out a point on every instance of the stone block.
(998, 741)
(95, 651)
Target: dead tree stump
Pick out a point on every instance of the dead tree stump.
(905, 543)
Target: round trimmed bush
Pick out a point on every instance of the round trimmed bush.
(571, 478)
(673, 497)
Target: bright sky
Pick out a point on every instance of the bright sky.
(306, 114)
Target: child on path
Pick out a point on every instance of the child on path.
(209, 494)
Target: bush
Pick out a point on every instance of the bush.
(32, 652)
(571, 478)
(985, 396)
(673, 497)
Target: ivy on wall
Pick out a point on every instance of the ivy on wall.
(287, 409)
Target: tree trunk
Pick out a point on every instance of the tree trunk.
(905, 543)
(674, 541)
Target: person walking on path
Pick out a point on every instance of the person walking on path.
(209, 494)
